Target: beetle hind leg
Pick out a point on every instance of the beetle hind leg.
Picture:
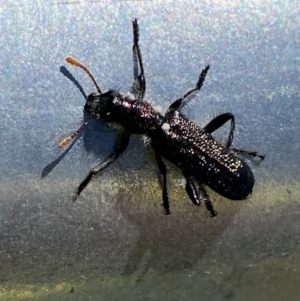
(250, 152)
(198, 197)
(205, 198)
(191, 190)
(219, 121)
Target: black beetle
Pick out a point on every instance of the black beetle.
(173, 136)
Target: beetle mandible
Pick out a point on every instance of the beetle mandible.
(200, 156)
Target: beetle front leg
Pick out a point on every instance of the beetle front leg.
(120, 146)
(139, 85)
(163, 170)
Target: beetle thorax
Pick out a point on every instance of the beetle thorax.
(137, 117)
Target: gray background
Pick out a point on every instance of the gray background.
(114, 243)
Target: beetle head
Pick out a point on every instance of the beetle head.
(99, 105)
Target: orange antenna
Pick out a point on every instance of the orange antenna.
(67, 140)
(72, 61)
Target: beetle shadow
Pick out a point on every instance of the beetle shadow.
(164, 243)
(174, 242)
(49, 167)
(96, 135)
(98, 139)
(70, 76)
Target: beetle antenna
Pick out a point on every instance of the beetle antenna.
(68, 139)
(72, 61)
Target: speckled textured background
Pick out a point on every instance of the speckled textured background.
(114, 243)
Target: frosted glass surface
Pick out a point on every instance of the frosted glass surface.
(114, 242)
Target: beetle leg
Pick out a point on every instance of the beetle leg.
(163, 170)
(249, 152)
(217, 122)
(120, 146)
(205, 198)
(139, 85)
(189, 95)
(191, 189)
(194, 196)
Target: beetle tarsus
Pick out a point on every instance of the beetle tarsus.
(250, 152)
(75, 196)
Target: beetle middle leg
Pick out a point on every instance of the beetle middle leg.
(120, 146)
(163, 170)
(189, 95)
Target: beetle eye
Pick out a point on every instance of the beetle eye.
(94, 97)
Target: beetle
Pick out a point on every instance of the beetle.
(174, 137)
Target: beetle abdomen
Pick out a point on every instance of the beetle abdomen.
(197, 153)
(236, 185)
